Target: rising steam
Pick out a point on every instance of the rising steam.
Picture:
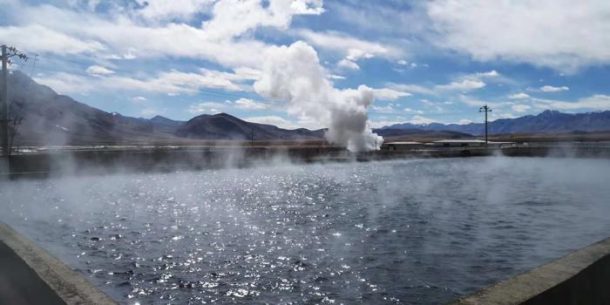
(294, 74)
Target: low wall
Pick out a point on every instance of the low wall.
(112, 159)
(29, 275)
(580, 278)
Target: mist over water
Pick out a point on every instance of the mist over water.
(394, 232)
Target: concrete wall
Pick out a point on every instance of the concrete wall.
(29, 275)
(580, 278)
(591, 286)
(19, 284)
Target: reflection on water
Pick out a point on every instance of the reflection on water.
(400, 232)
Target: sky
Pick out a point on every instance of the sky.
(423, 61)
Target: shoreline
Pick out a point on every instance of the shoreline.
(109, 159)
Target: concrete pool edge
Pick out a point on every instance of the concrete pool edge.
(577, 278)
(580, 277)
(67, 284)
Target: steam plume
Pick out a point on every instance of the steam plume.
(294, 74)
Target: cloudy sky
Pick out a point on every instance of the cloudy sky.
(424, 60)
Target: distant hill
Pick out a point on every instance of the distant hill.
(546, 122)
(50, 118)
(53, 119)
(225, 126)
(163, 124)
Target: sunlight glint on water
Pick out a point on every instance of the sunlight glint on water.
(400, 232)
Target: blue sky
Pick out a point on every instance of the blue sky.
(424, 61)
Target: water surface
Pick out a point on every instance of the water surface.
(396, 232)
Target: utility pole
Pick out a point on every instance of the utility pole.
(7, 53)
(487, 110)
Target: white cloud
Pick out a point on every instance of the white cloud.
(207, 107)
(233, 18)
(413, 88)
(272, 120)
(420, 120)
(413, 111)
(473, 101)
(432, 105)
(307, 7)
(379, 123)
(388, 94)
(348, 64)
(65, 83)
(501, 115)
(464, 122)
(284, 123)
(520, 108)
(176, 82)
(416, 119)
(389, 109)
(594, 102)
(463, 85)
(550, 89)
(561, 34)
(492, 73)
(172, 9)
(352, 48)
(172, 82)
(99, 70)
(121, 35)
(244, 103)
(382, 18)
(48, 40)
(519, 96)
(226, 106)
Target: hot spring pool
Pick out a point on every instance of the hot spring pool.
(395, 232)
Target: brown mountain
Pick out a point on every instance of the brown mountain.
(225, 126)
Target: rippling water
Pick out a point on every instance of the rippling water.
(398, 232)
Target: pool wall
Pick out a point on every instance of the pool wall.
(112, 159)
(582, 277)
(32, 276)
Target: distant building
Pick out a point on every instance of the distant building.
(469, 143)
(449, 143)
(394, 146)
(458, 143)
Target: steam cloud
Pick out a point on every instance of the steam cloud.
(294, 74)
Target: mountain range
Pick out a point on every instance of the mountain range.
(548, 121)
(48, 118)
